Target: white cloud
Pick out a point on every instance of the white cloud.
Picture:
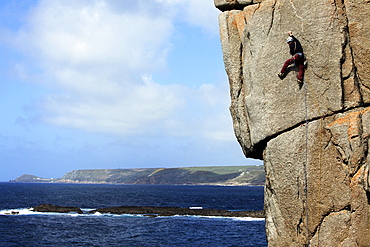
(143, 108)
(98, 57)
(86, 35)
(215, 122)
(201, 13)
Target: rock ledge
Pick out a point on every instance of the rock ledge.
(152, 211)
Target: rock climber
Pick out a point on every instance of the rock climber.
(298, 59)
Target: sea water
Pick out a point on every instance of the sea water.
(28, 228)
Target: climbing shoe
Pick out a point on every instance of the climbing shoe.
(281, 75)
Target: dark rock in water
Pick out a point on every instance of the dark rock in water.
(56, 209)
(12, 213)
(170, 211)
(153, 211)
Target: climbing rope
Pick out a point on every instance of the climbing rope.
(306, 162)
(305, 165)
(320, 177)
(319, 163)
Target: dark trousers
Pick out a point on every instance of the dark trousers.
(299, 62)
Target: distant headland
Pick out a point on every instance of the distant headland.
(214, 175)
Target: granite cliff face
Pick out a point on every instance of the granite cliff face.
(313, 139)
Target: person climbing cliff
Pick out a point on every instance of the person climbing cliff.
(297, 58)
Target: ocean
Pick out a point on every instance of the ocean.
(53, 229)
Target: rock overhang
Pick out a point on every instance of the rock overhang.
(254, 49)
(225, 5)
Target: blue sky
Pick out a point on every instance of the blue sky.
(89, 84)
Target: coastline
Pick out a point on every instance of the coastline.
(107, 183)
(219, 176)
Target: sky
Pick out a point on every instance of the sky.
(106, 84)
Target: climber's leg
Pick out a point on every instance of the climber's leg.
(300, 72)
(286, 64)
(299, 62)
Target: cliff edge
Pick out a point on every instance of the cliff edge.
(313, 138)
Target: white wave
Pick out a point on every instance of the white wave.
(20, 211)
(97, 214)
(248, 219)
(219, 217)
(28, 211)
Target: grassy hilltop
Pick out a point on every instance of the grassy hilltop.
(215, 175)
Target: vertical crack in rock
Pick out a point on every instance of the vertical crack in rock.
(239, 92)
(272, 17)
(358, 25)
(350, 80)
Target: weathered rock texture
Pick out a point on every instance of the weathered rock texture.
(313, 139)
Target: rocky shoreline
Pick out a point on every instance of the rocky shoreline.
(152, 211)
